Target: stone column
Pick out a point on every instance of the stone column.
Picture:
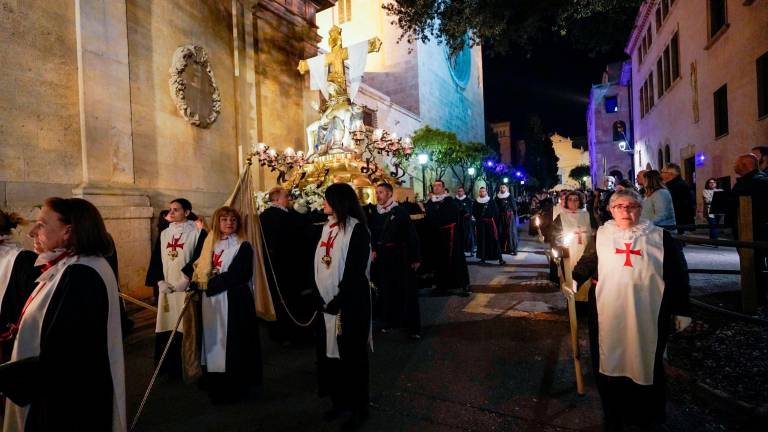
(106, 137)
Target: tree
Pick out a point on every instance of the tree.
(596, 26)
(438, 144)
(465, 156)
(540, 158)
(578, 173)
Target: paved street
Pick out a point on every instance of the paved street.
(498, 360)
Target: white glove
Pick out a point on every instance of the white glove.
(165, 287)
(569, 292)
(182, 286)
(682, 322)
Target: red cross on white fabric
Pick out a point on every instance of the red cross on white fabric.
(174, 244)
(629, 252)
(217, 262)
(579, 232)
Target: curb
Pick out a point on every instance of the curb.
(719, 400)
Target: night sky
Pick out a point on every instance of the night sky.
(553, 82)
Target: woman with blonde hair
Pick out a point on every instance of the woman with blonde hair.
(230, 347)
(657, 205)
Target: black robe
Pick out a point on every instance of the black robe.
(507, 223)
(73, 369)
(20, 285)
(289, 267)
(394, 240)
(243, 364)
(623, 400)
(487, 233)
(345, 380)
(172, 364)
(467, 223)
(450, 265)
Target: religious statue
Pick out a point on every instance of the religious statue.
(332, 132)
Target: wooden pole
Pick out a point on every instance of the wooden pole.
(575, 344)
(749, 294)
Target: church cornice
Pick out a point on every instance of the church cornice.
(643, 15)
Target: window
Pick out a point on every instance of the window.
(717, 16)
(762, 86)
(345, 11)
(667, 74)
(658, 19)
(369, 117)
(611, 104)
(647, 97)
(660, 159)
(721, 111)
(660, 76)
(667, 154)
(648, 35)
(641, 98)
(639, 55)
(650, 88)
(675, 63)
(619, 131)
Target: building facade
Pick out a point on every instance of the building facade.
(503, 131)
(569, 157)
(699, 85)
(609, 131)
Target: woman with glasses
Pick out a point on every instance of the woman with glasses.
(657, 206)
(641, 293)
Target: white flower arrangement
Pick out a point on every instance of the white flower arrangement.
(307, 199)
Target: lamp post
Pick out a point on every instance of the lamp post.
(423, 158)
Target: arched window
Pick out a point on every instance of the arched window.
(619, 131)
(667, 159)
(660, 160)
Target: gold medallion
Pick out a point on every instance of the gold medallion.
(326, 259)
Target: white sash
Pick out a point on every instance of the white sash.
(629, 299)
(215, 312)
(328, 278)
(172, 273)
(27, 342)
(8, 254)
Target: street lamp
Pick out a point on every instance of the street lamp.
(423, 158)
(505, 180)
(471, 171)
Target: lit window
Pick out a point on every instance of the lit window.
(611, 104)
(675, 64)
(660, 76)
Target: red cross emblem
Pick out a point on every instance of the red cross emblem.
(173, 245)
(217, 262)
(629, 252)
(579, 232)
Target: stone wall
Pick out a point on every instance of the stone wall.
(172, 157)
(40, 132)
(604, 153)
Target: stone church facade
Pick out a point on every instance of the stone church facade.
(88, 111)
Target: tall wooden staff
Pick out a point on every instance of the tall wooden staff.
(570, 298)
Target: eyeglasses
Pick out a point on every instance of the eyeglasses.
(620, 207)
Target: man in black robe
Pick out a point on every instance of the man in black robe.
(683, 199)
(467, 223)
(442, 217)
(485, 213)
(507, 220)
(396, 258)
(289, 268)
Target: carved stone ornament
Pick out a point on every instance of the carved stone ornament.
(197, 56)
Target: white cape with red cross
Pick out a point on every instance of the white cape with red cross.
(629, 293)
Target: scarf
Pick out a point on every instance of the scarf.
(438, 198)
(483, 200)
(386, 207)
(502, 195)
